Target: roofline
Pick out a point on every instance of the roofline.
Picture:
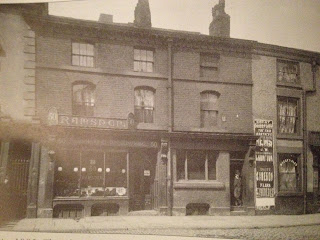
(258, 47)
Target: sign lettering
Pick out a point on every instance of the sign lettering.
(264, 164)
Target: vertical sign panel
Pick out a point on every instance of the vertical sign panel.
(264, 164)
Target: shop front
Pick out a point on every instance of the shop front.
(212, 174)
(99, 172)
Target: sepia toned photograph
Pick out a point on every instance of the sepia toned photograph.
(159, 119)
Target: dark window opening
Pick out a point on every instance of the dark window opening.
(83, 99)
(197, 209)
(288, 115)
(144, 104)
(105, 209)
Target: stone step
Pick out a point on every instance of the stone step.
(238, 213)
(143, 213)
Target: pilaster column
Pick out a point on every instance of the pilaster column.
(33, 181)
(46, 178)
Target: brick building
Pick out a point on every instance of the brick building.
(102, 118)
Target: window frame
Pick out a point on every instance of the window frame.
(282, 156)
(214, 107)
(82, 106)
(144, 61)
(206, 171)
(144, 108)
(86, 55)
(80, 162)
(288, 62)
(297, 118)
(206, 64)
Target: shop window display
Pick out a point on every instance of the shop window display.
(91, 174)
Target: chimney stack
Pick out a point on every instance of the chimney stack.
(220, 25)
(142, 15)
(106, 18)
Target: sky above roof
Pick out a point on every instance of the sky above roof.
(289, 23)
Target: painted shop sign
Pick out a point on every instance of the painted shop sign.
(89, 122)
(264, 164)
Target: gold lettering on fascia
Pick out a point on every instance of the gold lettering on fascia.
(93, 122)
(64, 120)
(102, 122)
(74, 120)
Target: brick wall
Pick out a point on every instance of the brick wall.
(234, 106)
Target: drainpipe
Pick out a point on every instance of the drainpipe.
(170, 129)
(305, 133)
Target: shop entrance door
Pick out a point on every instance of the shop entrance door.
(141, 179)
(236, 185)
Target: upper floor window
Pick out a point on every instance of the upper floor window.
(288, 72)
(209, 108)
(83, 99)
(196, 165)
(209, 64)
(144, 104)
(82, 54)
(143, 60)
(288, 115)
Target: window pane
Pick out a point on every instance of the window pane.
(288, 172)
(149, 67)
(212, 160)
(83, 61)
(181, 157)
(139, 115)
(90, 50)
(83, 49)
(92, 174)
(137, 54)
(150, 56)
(75, 60)
(148, 116)
(136, 66)
(209, 118)
(143, 66)
(143, 55)
(89, 61)
(287, 115)
(115, 172)
(67, 174)
(196, 165)
(83, 99)
(75, 48)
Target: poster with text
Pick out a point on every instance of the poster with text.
(264, 164)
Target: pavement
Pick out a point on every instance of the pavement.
(150, 223)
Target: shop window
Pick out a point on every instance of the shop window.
(288, 72)
(144, 104)
(288, 115)
(196, 165)
(209, 64)
(209, 109)
(83, 99)
(82, 54)
(289, 173)
(91, 174)
(143, 60)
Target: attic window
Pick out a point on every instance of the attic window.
(82, 54)
(143, 60)
(209, 64)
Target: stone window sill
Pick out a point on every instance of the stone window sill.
(199, 185)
